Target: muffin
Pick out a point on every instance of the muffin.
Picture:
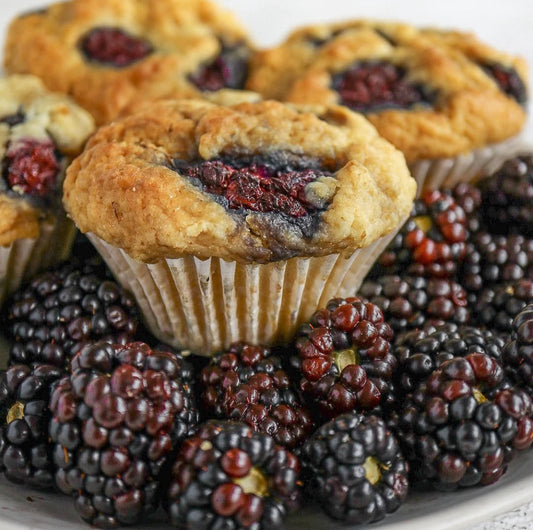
(40, 132)
(441, 97)
(235, 223)
(110, 53)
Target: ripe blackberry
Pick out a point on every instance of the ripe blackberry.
(344, 359)
(497, 306)
(468, 197)
(229, 476)
(421, 351)
(432, 241)
(25, 451)
(116, 420)
(460, 427)
(249, 384)
(60, 310)
(408, 302)
(355, 468)
(518, 351)
(507, 195)
(491, 259)
(508, 81)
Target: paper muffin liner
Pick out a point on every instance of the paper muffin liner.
(442, 173)
(25, 257)
(205, 305)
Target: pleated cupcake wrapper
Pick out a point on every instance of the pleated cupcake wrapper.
(25, 257)
(205, 305)
(443, 173)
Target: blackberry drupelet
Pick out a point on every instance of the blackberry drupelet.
(60, 310)
(432, 242)
(518, 351)
(507, 197)
(25, 450)
(468, 197)
(497, 306)
(354, 468)
(421, 351)
(344, 359)
(249, 384)
(408, 302)
(116, 421)
(229, 476)
(460, 427)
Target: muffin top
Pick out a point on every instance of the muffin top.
(108, 53)
(432, 93)
(253, 182)
(40, 132)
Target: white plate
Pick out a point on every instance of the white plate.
(503, 24)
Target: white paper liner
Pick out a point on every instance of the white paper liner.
(447, 172)
(205, 305)
(25, 257)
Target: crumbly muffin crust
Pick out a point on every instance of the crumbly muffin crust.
(467, 108)
(125, 189)
(40, 116)
(179, 36)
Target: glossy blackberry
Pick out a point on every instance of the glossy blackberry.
(344, 359)
(508, 80)
(116, 421)
(507, 205)
(420, 352)
(497, 306)
(468, 197)
(408, 302)
(371, 86)
(354, 468)
(460, 427)
(25, 450)
(59, 310)
(249, 384)
(518, 351)
(432, 242)
(229, 476)
(492, 259)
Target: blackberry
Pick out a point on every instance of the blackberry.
(344, 359)
(408, 302)
(420, 352)
(229, 476)
(25, 451)
(497, 306)
(249, 384)
(508, 80)
(355, 468)
(116, 421)
(507, 196)
(432, 241)
(60, 310)
(518, 351)
(460, 427)
(492, 259)
(468, 197)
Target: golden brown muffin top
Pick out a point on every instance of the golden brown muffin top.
(108, 53)
(432, 93)
(254, 182)
(39, 133)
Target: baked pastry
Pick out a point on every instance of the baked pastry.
(433, 94)
(231, 223)
(40, 132)
(108, 53)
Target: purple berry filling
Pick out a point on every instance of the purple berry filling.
(114, 47)
(374, 86)
(508, 80)
(13, 119)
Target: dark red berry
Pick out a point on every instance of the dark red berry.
(508, 80)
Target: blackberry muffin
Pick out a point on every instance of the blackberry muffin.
(234, 223)
(40, 132)
(433, 94)
(110, 53)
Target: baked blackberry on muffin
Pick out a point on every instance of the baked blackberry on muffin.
(433, 94)
(40, 132)
(108, 53)
(232, 223)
